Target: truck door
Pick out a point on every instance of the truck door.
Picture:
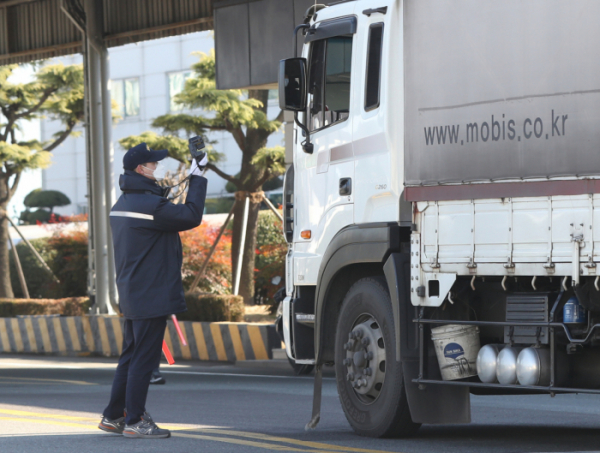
(375, 196)
(324, 179)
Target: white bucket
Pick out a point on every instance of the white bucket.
(456, 347)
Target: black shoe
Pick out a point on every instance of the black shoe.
(112, 426)
(157, 378)
(145, 429)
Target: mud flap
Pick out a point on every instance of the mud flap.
(435, 404)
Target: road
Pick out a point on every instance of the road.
(53, 404)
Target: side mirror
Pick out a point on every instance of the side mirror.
(292, 84)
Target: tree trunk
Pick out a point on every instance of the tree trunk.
(5, 286)
(250, 176)
(249, 257)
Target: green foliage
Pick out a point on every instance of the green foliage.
(56, 91)
(69, 263)
(206, 307)
(39, 198)
(270, 230)
(272, 184)
(18, 157)
(182, 122)
(66, 103)
(230, 110)
(28, 217)
(273, 158)
(271, 249)
(39, 281)
(220, 205)
(65, 254)
(72, 306)
(178, 147)
(230, 107)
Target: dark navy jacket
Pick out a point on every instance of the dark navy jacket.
(145, 229)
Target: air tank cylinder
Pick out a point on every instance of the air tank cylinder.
(486, 363)
(506, 365)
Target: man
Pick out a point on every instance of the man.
(145, 228)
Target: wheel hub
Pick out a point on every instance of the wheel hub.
(365, 359)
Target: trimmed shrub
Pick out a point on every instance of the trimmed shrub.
(65, 254)
(39, 280)
(71, 306)
(196, 245)
(39, 198)
(206, 307)
(69, 262)
(28, 217)
(270, 259)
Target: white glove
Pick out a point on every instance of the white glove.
(204, 162)
(194, 170)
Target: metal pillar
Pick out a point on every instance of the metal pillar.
(100, 162)
(109, 186)
(91, 288)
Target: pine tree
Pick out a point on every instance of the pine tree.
(55, 92)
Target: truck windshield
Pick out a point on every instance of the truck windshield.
(329, 81)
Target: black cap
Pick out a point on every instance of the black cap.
(140, 154)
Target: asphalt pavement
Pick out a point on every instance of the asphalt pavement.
(53, 404)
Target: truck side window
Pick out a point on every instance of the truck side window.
(329, 82)
(373, 77)
(337, 79)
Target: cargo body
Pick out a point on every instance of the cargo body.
(445, 176)
(500, 90)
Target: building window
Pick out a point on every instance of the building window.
(126, 93)
(176, 86)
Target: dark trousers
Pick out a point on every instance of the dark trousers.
(142, 347)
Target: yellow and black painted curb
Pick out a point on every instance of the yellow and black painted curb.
(103, 335)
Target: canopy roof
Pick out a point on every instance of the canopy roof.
(37, 29)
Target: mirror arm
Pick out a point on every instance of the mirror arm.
(307, 146)
(295, 39)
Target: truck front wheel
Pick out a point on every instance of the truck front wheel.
(369, 379)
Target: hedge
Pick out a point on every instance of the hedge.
(65, 254)
(71, 306)
(206, 307)
(201, 307)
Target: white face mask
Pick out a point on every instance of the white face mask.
(159, 173)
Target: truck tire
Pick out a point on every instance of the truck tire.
(369, 379)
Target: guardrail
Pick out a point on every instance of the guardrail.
(103, 335)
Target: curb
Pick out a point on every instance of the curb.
(103, 335)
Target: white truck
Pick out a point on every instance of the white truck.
(443, 206)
